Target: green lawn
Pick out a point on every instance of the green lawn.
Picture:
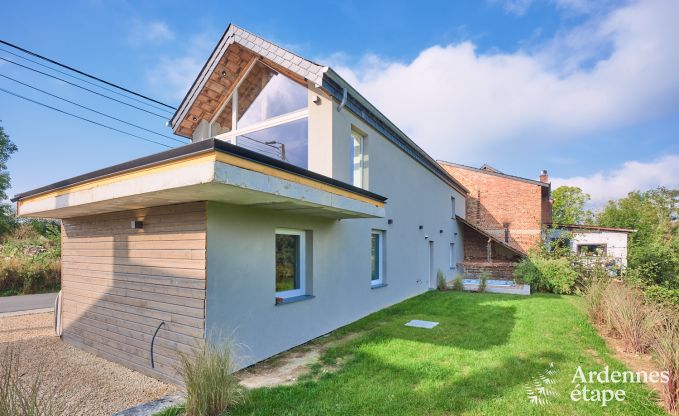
(477, 361)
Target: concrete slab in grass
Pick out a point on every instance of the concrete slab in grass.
(416, 323)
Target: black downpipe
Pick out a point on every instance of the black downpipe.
(152, 341)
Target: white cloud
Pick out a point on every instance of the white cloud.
(612, 71)
(141, 32)
(631, 176)
(173, 75)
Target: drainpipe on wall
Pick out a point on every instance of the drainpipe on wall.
(344, 100)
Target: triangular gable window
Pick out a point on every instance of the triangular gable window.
(268, 113)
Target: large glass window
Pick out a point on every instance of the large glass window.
(287, 142)
(357, 158)
(376, 257)
(290, 259)
(268, 113)
(264, 94)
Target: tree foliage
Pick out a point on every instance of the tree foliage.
(7, 220)
(569, 206)
(653, 250)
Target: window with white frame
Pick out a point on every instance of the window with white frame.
(290, 263)
(267, 112)
(376, 257)
(452, 205)
(451, 257)
(357, 158)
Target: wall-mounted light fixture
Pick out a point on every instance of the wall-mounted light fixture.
(421, 227)
(440, 231)
(426, 237)
(317, 100)
(137, 225)
(390, 221)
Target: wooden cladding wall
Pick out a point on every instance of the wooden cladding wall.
(120, 283)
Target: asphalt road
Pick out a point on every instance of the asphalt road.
(26, 302)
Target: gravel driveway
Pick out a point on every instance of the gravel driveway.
(90, 385)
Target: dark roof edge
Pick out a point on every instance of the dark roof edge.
(495, 239)
(194, 149)
(500, 174)
(367, 112)
(593, 227)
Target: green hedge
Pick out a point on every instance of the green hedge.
(547, 274)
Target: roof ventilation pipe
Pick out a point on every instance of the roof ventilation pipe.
(344, 100)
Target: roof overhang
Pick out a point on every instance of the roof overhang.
(476, 229)
(592, 228)
(209, 170)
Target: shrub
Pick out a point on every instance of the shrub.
(665, 349)
(483, 281)
(547, 274)
(632, 319)
(20, 397)
(662, 295)
(594, 298)
(458, 283)
(211, 388)
(441, 281)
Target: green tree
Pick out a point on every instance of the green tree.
(653, 250)
(569, 206)
(7, 220)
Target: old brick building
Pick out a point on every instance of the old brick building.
(505, 215)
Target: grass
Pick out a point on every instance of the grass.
(477, 361)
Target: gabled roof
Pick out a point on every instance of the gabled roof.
(489, 170)
(321, 76)
(491, 237)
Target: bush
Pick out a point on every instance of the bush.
(441, 281)
(547, 274)
(211, 388)
(634, 320)
(662, 295)
(30, 259)
(483, 281)
(594, 298)
(458, 283)
(665, 349)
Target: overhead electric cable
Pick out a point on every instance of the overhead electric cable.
(84, 80)
(91, 109)
(82, 118)
(82, 73)
(84, 88)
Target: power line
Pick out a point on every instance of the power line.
(83, 80)
(90, 109)
(83, 118)
(83, 73)
(83, 88)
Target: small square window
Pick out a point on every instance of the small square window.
(376, 257)
(290, 263)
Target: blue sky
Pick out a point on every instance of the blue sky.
(587, 90)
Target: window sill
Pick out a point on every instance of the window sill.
(377, 286)
(293, 299)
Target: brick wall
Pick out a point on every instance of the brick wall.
(496, 202)
(497, 270)
(476, 248)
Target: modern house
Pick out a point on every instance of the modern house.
(297, 208)
(511, 211)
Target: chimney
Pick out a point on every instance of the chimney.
(544, 177)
